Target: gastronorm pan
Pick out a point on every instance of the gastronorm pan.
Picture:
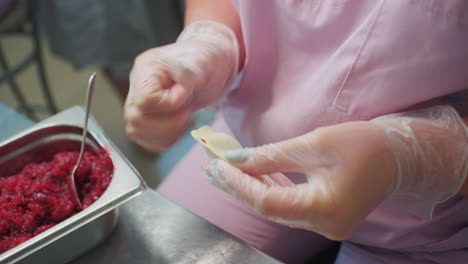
(86, 229)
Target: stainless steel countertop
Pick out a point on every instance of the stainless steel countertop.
(152, 229)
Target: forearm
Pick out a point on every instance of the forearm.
(220, 11)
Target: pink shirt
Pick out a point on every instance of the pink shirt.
(314, 63)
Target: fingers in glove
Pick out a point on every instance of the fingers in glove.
(286, 156)
(155, 92)
(283, 204)
(156, 132)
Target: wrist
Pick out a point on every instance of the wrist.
(221, 11)
(215, 50)
(214, 34)
(209, 31)
(430, 151)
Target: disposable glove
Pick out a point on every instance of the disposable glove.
(168, 83)
(415, 160)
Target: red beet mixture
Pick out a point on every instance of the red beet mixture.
(38, 197)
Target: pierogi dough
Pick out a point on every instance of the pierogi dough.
(216, 143)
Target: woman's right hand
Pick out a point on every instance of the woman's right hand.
(168, 83)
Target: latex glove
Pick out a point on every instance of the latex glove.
(417, 159)
(168, 83)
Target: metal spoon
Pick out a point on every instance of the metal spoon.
(89, 96)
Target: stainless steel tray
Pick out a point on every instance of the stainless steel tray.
(85, 230)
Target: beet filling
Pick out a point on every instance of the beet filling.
(39, 197)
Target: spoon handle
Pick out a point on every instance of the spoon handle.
(89, 97)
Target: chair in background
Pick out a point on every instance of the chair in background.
(19, 17)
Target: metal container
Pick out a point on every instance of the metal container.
(85, 230)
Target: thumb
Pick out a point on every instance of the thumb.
(284, 156)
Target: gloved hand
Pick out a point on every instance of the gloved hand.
(168, 83)
(416, 159)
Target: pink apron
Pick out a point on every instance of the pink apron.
(314, 63)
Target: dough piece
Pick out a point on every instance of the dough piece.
(215, 143)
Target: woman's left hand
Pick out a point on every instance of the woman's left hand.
(416, 159)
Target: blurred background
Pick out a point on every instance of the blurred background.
(49, 48)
